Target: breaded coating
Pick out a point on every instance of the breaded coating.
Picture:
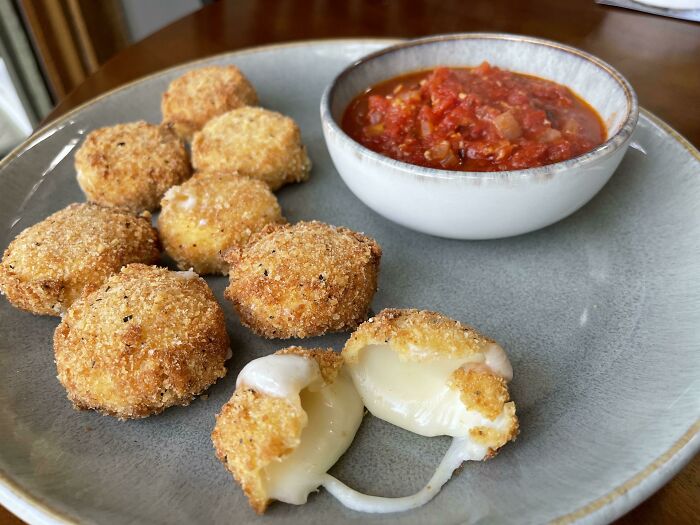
(253, 142)
(147, 339)
(481, 391)
(494, 438)
(329, 362)
(303, 280)
(254, 429)
(201, 94)
(424, 336)
(210, 213)
(131, 165)
(48, 265)
(418, 335)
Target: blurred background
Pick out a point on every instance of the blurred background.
(57, 54)
(48, 47)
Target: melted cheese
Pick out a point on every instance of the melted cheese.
(281, 375)
(188, 274)
(415, 395)
(461, 449)
(497, 361)
(189, 203)
(410, 394)
(334, 414)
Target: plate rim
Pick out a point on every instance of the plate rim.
(641, 485)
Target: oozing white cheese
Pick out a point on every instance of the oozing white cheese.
(461, 449)
(415, 395)
(281, 375)
(334, 414)
(188, 274)
(189, 203)
(497, 361)
(412, 395)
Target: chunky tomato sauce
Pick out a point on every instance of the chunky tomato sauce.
(473, 119)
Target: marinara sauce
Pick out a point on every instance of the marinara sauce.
(473, 119)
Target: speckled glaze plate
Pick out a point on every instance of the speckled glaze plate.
(599, 313)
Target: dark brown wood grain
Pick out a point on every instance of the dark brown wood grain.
(72, 38)
(660, 57)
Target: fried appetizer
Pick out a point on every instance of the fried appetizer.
(453, 379)
(147, 339)
(293, 414)
(131, 165)
(199, 95)
(48, 265)
(303, 280)
(253, 142)
(210, 213)
(429, 374)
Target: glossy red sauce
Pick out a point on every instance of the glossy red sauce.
(473, 119)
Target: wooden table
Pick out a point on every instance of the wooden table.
(660, 57)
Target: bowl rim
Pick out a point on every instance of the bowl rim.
(611, 145)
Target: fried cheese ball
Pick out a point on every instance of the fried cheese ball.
(253, 142)
(429, 374)
(199, 95)
(147, 339)
(293, 414)
(48, 265)
(131, 165)
(303, 280)
(210, 213)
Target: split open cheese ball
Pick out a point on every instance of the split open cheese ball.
(430, 374)
(293, 414)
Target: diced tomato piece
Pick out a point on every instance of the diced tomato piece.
(478, 119)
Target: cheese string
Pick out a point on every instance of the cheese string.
(461, 449)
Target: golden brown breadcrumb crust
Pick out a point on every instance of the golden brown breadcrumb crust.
(48, 265)
(253, 142)
(481, 391)
(418, 335)
(254, 429)
(201, 94)
(303, 280)
(210, 213)
(329, 362)
(131, 165)
(147, 339)
(494, 438)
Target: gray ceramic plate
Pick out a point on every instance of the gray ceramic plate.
(599, 314)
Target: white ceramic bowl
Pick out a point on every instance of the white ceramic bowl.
(471, 205)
